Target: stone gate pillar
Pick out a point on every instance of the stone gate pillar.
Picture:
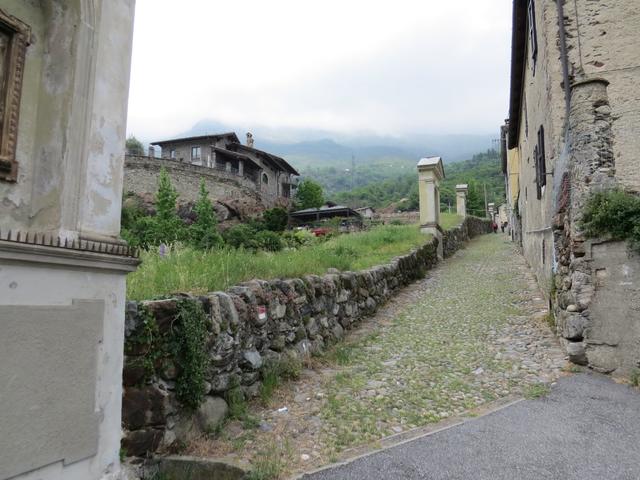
(430, 172)
(461, 199)
(491, 207)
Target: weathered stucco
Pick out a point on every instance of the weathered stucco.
(62, 414)
(75, 84)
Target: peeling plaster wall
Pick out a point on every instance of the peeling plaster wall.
(71, 130)
(70, 152)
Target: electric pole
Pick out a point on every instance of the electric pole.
(353, 170)
(486, 205)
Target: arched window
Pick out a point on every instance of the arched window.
(265, 179)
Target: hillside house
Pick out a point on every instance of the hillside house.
(272, 175)
(573, 129)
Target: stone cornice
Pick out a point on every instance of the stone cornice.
(50, 255)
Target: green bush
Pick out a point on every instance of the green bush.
(298, 238)
(267, 240)
(164, 227)
(276, 219)
(203, 233)
(241, 235)
(614, 214)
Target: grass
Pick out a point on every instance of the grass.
(274, 373)
(270, 463)
(449, 220)
(634, 378)
(537, 390)
(185, 269)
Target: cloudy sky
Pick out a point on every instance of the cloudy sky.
(352, 66)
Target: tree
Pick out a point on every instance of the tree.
(134, 146)
(167, 226)
(203, 233)
(309, 195)
(276, 219)
(475, 199)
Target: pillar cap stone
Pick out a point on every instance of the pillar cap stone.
(433, 164)
(462, 187)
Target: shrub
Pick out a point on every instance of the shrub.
(242, 235)
(298, 238)
(267, 240)
(276, 219)
(203, 233)
(613, 213)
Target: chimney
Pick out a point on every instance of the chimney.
(249, 139)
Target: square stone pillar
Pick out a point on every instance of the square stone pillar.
(241, 167)
(492, 209)
(461, 199)
(430, 172)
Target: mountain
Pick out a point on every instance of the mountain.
(483, 170)
(312, 148)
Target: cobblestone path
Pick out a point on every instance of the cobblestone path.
(473, 332)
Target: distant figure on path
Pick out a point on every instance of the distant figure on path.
(494, 225)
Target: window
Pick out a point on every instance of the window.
(540, 163)
(526, 118)
(533, 34)
(14, 39)
(195, 153)
(265, 179)
(172, 153)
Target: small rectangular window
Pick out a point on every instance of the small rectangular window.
(195, 153)
(533, 34)
(540, 163)
(172, 153)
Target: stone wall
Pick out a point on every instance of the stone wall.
(470, 227)
(597, 282)
(141, 177)
(249, 325)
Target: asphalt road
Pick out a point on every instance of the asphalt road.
(588, 427)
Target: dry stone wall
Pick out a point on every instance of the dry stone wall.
(249, 326)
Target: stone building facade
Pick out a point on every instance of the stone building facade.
(268, 174)
(64, 80)
(573, 129)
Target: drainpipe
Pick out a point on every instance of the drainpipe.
(564, 60)
(561, 167)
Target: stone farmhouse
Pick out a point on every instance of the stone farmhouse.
(231, 169)
(573, 129)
